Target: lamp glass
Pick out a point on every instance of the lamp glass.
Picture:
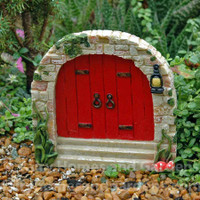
(156, 82)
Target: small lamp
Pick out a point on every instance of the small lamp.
(156, 81)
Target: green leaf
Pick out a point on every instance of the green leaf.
(192, 105)
(23, 50)
(196, 149)
(38, 58)
(196, 166)
(192, 142)
(39, 154)
(16, 55)
(177, 159)
(195, 58)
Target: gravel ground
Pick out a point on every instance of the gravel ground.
(21, 178)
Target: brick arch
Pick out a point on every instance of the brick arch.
(116, 43)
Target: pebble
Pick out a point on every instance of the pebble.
(2, 152)
(22, 179)
(24, 151)
(62, 188)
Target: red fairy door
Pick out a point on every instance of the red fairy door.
(102, 96)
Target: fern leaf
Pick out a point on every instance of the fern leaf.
(189, 10)
(75, 12)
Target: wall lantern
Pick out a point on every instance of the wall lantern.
(156, 81)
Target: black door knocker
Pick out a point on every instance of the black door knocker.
(110, 103)
(97, 102)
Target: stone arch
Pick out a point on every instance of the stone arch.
(107, 42)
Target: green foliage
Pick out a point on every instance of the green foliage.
(164, 154)
(14, 99)
(44, 148)
(113, 172)
(171, 102)
(72, 44)
(37, 77)
(188, 118)
(170, 26)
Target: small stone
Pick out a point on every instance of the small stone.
(84, 198)
(7, 142)
(115, 197)
(79, 189)
(132, 175)
(2, 152)
(88, 178)
(108, 196)
(40, 183)
(24, 151)
(154, 190)
(58, 195)
(49, 179)
(23, 196)
(48, 195)
(24, 170)
(62, 188)
(124, 194)
(138, 175)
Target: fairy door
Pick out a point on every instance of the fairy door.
(103, 96)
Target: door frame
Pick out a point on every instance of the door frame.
(108, 42)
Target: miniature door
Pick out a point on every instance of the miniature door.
(103, 96)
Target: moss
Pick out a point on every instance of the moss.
(37, 77)
(40, 68)
(72, 44)
(148, 51)
(170, 92)
(153, 58)
(171, 102)
(46, 73)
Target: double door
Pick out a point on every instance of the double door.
(103, 96)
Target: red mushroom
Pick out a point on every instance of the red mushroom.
(160, 166)
(170, 165)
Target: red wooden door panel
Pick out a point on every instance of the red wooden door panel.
(110, 82)
(97, 87)
(132, 116)
(83, 96)
(124, 98)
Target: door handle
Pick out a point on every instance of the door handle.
(97, 102)
(110, 104)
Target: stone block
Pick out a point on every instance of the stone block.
(35, 95)
(99, 48)
(39, 85)
(44, 96)
(157, 100)
(51, 90)
(133, 40)
(122, 53)
(40, 105)
(48, 68)
(121, 47)
(109, 49)
(143, 45)
(133, 50)
(50, 77)
(46, 60)
(169, 120)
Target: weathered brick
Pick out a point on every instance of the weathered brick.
(39, 85)
(121, 47)
(109, 49)
(133, 50)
